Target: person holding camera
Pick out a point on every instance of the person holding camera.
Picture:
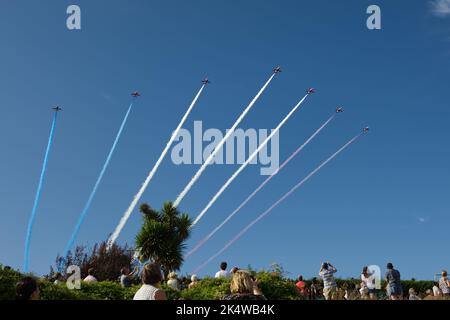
(327, 272)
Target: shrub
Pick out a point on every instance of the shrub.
(106, 263)
(50, 291)
(275, 287)
(8, 280)
(208, 289)
(171, 293)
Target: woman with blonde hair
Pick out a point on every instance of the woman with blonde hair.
(444, 284)
(173, 281)
(194, 281)
(242, 287)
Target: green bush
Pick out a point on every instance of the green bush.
(275, 287)
(50, 291)
(272, 284)
(8, 280)
(108, 291)
(171, 293)
(208, 289)
(89, 291)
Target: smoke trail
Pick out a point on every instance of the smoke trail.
(231, 215)
(144, 186)
(265, 213)
(38, 196)
(245, 164)
(221, 143)
(83, 215)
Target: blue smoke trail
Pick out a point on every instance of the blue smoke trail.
(97, 183)
(38, 196)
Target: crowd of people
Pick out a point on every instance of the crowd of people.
(244, 286)
(368, 289)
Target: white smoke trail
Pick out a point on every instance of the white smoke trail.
(232, 214)
(221, 143)
(144, 186)
(245, 164)
(265, 213)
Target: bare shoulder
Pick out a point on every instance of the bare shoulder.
(160, 295)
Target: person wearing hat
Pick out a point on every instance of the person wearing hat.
(394, 287)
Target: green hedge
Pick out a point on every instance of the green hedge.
(8, 280)
(89, 291)
(208, 289)
(273, 285)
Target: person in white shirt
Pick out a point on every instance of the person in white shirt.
(223, 273)
(369, 281)
(90, 278)
(364, 291)
(194, 281)
(151, 279)
(173, 281)
(436, 291)
(413, 295)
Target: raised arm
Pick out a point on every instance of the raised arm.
(331, 267)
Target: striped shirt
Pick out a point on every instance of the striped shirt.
(328, 278)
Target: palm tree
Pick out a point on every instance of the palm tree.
(163, 235)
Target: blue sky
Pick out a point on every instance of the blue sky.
(384, 199)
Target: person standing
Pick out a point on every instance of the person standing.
(368, 279)
(302, 287)
(394, 286)
(222, 273)
(314, 290)
(444, 284)
(327, 272)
